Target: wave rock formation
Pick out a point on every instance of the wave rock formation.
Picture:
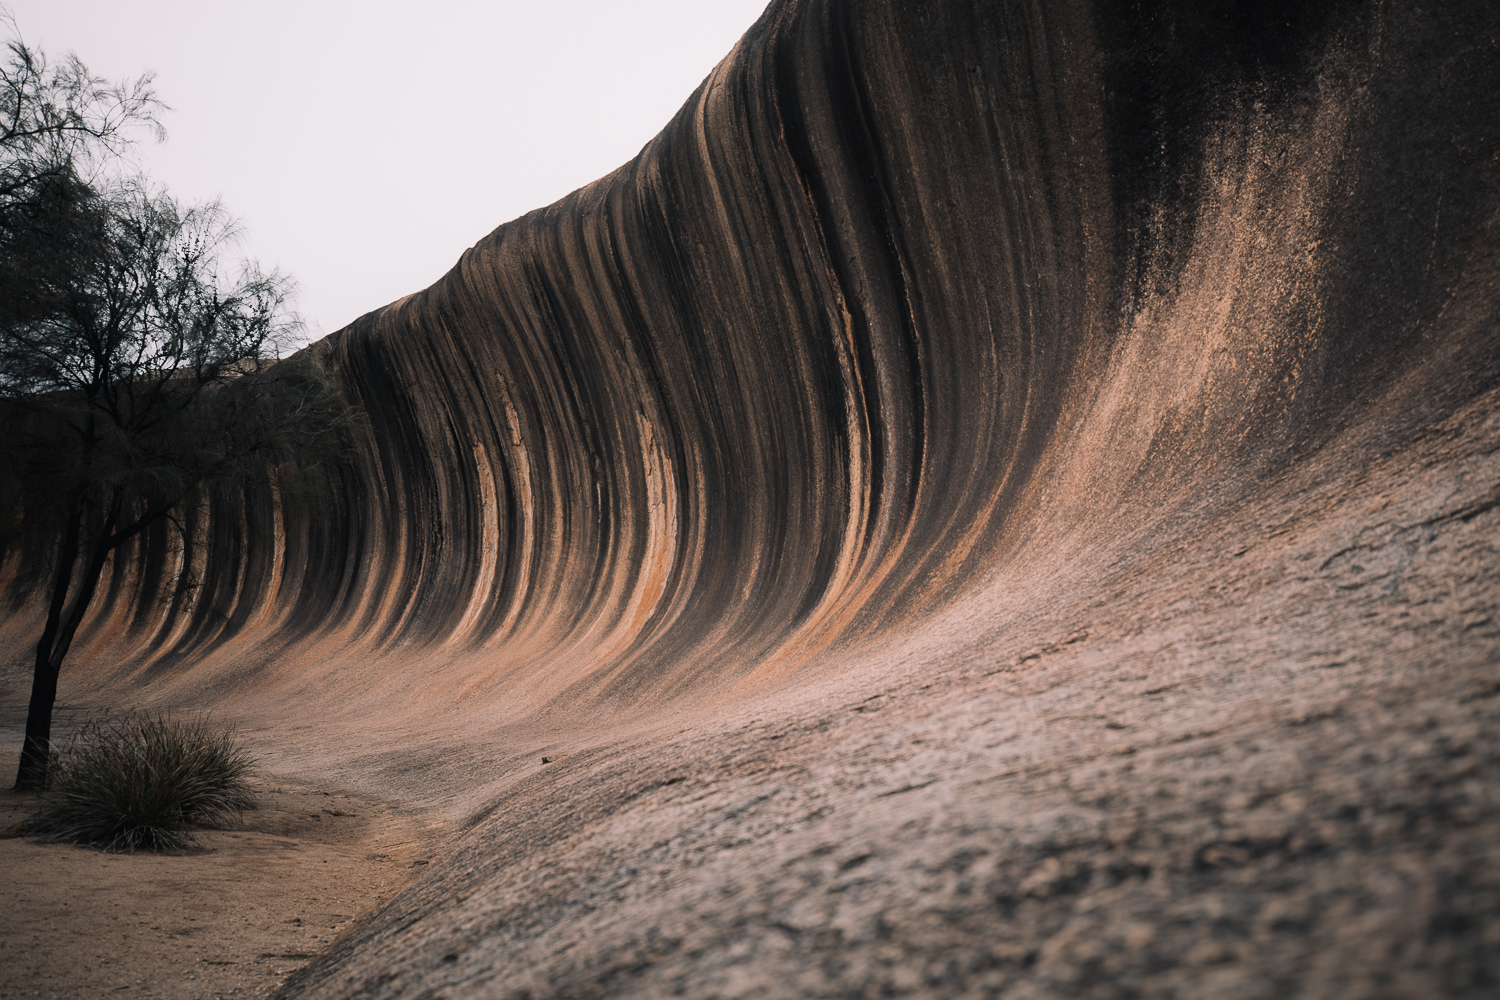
(986, 501)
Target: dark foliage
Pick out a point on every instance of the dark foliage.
(141, 365)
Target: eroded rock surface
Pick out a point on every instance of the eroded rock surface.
(995, 500)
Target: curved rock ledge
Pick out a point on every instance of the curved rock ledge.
(1100, 345)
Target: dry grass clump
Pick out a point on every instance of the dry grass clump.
(138, 782)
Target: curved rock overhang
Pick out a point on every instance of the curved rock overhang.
(902, 298)
(950, 337)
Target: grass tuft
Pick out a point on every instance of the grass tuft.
(138, 782)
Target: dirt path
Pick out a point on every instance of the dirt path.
(250, 908)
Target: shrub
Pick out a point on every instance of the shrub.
(137, 782)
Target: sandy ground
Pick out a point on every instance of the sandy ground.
(235, 918)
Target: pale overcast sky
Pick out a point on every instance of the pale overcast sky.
(366, 145)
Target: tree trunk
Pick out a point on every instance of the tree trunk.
(63, 619)
(32, 773)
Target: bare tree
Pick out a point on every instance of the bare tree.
(60, 124)
(139, 364)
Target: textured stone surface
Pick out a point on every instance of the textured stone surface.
(995, 500)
